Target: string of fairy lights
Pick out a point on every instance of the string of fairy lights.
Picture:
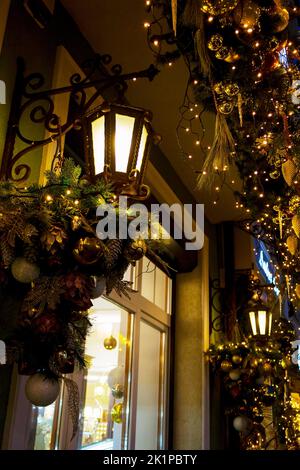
(273, 218)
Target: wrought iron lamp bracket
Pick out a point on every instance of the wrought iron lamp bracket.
(30, 100)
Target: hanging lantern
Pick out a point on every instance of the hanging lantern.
(260, 318)
(118, 140)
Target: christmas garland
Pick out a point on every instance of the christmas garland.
(53, 263)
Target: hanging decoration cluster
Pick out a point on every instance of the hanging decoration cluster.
(53, 263)
(243, 58)
(258, 397)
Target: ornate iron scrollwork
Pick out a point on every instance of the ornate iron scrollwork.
(31, 101)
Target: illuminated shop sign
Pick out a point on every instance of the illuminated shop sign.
(264, 264)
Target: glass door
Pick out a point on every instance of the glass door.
(151, 399)
(106, 382)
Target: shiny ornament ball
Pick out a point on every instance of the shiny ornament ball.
(135, 250)
(235, 374)
(116, 376)
(117, 391)
(215, 42)
(242, 424)
(231, 89)
(223, 53)
(247, 14)
(226, 365)
(218, 7)
(226, 107)
(219, 88)
(237, 359)
(41, 391)
(24, 271)
(110, 343)
(88, 250)
(117, 413)
(281, 19)
(98, 287)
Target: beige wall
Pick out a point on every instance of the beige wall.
(191, 387)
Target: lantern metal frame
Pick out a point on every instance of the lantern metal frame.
(30, 100)
(131, 182)
(261, 325)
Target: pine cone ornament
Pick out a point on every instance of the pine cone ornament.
(297, 290)
(296, 225)
(112, 253)
(289, 171)
(292, 244)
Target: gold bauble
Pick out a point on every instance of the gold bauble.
(231, 89)
(110, 343)
(24, 271)
(218, 7)
(88, 250)
(226, 365)
(215, 42)
(117, 413)
(226, 107)
(117, 391)
(235, 374)
(237, 359)
(247, 14)
(281, 20)
(135, 250)
(219, 88)
(222, 53)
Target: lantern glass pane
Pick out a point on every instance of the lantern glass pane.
(270, 323)
(123, 138)
(262, 321)
(142, 149)
(253, 322)
(98, 127)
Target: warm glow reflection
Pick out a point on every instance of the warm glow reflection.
(98, 144)
(142, 149)
(123, 138)
(262, 321)
(253, 322)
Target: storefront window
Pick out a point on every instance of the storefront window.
(106, 382)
